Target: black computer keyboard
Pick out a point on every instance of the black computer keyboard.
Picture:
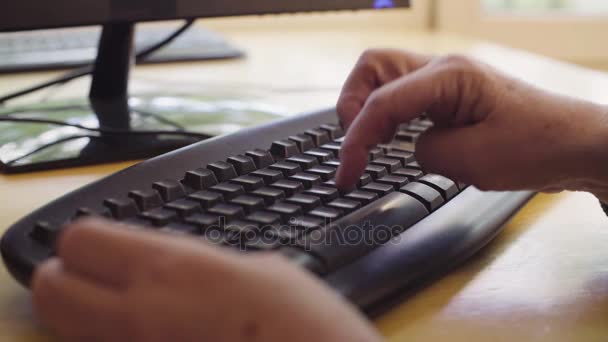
(271, 188)
(69, 48)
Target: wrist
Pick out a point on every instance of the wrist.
(592, 159)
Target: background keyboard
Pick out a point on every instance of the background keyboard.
(272, 188)
(69, 48)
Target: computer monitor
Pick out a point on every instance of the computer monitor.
(108, 94)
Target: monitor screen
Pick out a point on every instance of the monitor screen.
(34, 14)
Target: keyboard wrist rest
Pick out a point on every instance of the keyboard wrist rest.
(428, 249)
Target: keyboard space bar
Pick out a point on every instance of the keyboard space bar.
(364, 230)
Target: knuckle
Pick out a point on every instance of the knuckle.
(370, 55)
(459, 62)
(374, 102)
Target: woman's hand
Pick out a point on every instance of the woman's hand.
(492, 131)
(117, 284)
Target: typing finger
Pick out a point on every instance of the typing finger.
(74, 307)
(374, 69)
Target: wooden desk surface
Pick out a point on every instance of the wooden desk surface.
(544, 279)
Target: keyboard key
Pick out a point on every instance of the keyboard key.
(333, 147)
(88, 212)
(270, 195)
(249, 203)
(326, 173)
(182, 228)
(227, 212)
(404, 212)
(390, 164)
(261, 158)
(395, 181)
(121, 208)
(345, 205)
(223, 171)
(335, 131)
(285, 232)
(376, 153)
(446, 187)
(326, 213)
(404, 157)
(307, 179)
(305, 162)
(200, 179)
(332, 163)
(364, 197)
(284, 149)
(399, 145)
(423, 122)
(286, 210)
(331, 183)
(319, 136)
(241, 230)
(307, 202)
(250, 183)
(411, 174)
(146, 199)
(288, 169)
(376, 171)
(321, 155)
(407, 137)
(216, 236)
(242, 164)
(305, 224)
(415, 128)
(264, 218)
(268, 175)
(377, 188)
(45, 232)
(414, 165)
(159, 216)
(290, 187)
(430, 197)
(207, 199)
(184, 207)
(136, 222)
(228, 190)
(170, 190)
(324, 193)
(203, 221)
(365, 179)
(303, 141)
(261, 243)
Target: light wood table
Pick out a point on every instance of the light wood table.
(544, 279)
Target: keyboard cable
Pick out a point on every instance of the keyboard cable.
(84, 71)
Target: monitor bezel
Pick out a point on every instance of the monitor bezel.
(33, 14)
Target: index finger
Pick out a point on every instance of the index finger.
(395, 103)
(374, 69)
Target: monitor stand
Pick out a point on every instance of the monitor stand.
(109, 100)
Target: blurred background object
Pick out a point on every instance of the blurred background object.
(570, 30)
